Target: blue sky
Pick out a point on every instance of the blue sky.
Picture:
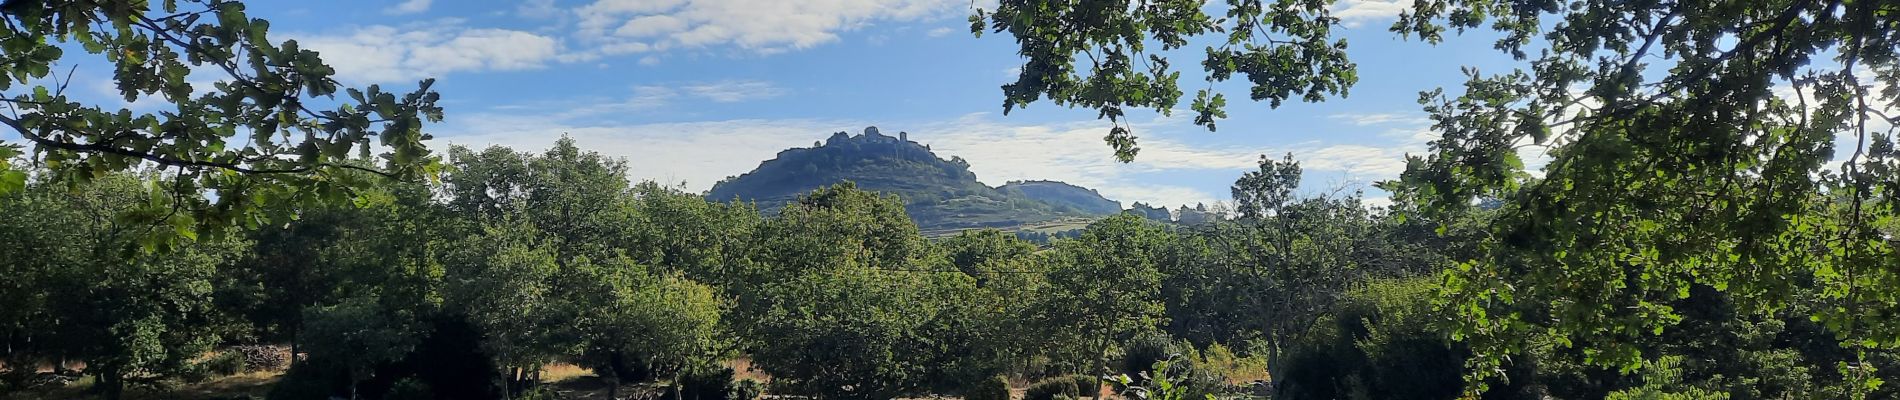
(691, 91)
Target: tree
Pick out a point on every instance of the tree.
(679, 231)
(88, 288)
(382, 245)
(1707, 168)
(1689, 146)
(506, 282)
(1105, 285)
(841, 301)
(988, 325)
(273, 93)
(665, 323)
(359, 334)
(1284, 48)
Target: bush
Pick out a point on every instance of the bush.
(1141, 353)
(707, 384)
(1071, 386)
(225, 364)
(748, 389)
(995, 388)
(1086, 386)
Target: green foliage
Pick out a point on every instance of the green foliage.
(269, 137)
(1141, 354)
(1284, 49)
(708, 384)
(1664, 176)
(747, 389)
(225, 363)
(1071, 387)
(1663, 381)
(1171, 379)
(1105, 285)
(357, 336)
(994, 388)
(86, 283)
(1381, 343)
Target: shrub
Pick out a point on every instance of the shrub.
(193, 373)
(995, 388)
(1140, 354)
(707, 384)
(1086, 386)
(1234, 368)
(1071, 386)
(748, 389)
(225, 364)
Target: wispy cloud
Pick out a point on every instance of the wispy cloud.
(753, 26)
(382, 53)
(1356, 13)
(733, 91)
(408, 7)
(940, 32)
(1365, 119)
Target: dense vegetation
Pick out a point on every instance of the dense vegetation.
(516, 261)
(1687, 239)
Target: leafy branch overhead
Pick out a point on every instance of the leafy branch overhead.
(270, 132)
(1691, 146)
(1110, 56)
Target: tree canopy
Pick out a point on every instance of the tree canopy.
(269, 133)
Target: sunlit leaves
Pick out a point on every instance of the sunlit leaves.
(1693, 172)
(263, 118)
(1097, 55)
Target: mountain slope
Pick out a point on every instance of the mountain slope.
(1061, 194)
(941, 195)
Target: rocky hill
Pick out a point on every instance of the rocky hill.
(1060, 194)
(942, 195)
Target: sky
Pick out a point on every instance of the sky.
(691, 91)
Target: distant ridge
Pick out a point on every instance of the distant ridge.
(1062, 194)
(941, 195)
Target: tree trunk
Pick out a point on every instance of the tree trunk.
(507, 384)
(613, 384)
(111, 384)
(677, 393)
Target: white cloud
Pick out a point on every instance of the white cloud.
(383, 53)
(647, 97)
(734, 91)
(1365, 119)
(940, 32)
(1355, 13)
(756, 26)
(408, 7)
